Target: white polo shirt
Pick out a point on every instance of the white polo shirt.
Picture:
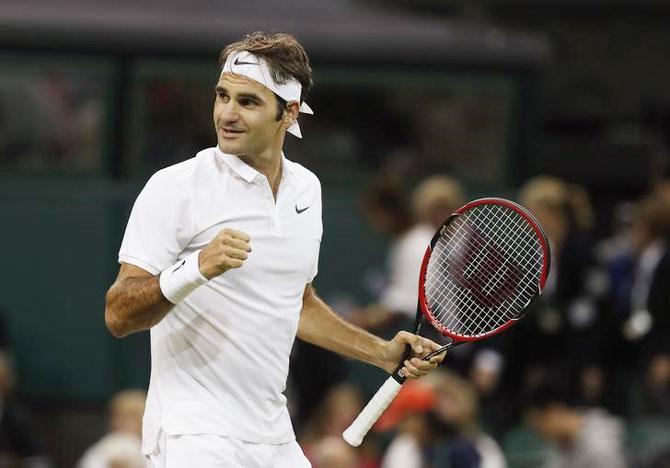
(220, 358)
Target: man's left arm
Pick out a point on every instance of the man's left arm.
(322, 327)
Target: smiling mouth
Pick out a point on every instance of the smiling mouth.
(230, 132)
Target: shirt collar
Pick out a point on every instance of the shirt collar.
(248, 173)
(241, 168)
(288, 172)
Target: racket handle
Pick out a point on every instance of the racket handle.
(375, 407)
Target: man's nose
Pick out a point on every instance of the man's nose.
(230, 111)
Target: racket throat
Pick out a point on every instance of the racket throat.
(442, 349)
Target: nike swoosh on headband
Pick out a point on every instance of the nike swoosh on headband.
(237, 62)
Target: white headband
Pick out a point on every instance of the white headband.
(247, 64)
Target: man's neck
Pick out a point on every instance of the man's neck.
(270, 165)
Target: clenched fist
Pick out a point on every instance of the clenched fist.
(229, 249)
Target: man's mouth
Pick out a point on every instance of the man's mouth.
(228, 132)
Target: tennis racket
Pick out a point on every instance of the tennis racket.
(483, 269)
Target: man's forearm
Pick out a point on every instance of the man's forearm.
(135, 304)
(320, 326)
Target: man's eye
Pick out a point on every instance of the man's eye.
(247, 102)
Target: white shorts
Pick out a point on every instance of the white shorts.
(214, 451)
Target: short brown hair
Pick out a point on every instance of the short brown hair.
(285, 56)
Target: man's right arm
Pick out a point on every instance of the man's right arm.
(134, 302)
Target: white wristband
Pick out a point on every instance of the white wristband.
(182, 278)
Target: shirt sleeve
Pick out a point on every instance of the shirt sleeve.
(160, 226)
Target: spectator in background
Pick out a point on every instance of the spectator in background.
(566, 328)
(485, 373)
(649, 322)
(584, 439)
(322, 439)
(408, 417)
(387, 211)
(648, 238)
(121, 447)
(611, 249)
(617, 253)
(457, 409)
(19, 446)
(333, 452)
(437, 422)
(435, 198)
(411, 229)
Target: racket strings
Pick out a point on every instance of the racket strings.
(494, 280)
(483, 270)
(520, 248)
(470, 320)
(487, 287)
(476, 266)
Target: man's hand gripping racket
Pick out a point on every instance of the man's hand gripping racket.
(483, 269)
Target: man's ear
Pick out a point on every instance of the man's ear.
(291, 114)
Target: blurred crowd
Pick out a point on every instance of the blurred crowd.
(582, 382)
(20, 441)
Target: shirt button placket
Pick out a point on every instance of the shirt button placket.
(272, 207)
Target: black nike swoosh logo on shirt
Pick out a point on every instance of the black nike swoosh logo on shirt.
(298, 210)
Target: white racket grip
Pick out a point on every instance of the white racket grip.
(375, 407)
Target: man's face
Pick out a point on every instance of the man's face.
(245, 117)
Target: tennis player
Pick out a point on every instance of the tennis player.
(217, 260)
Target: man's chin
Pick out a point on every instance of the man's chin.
(231, 147)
